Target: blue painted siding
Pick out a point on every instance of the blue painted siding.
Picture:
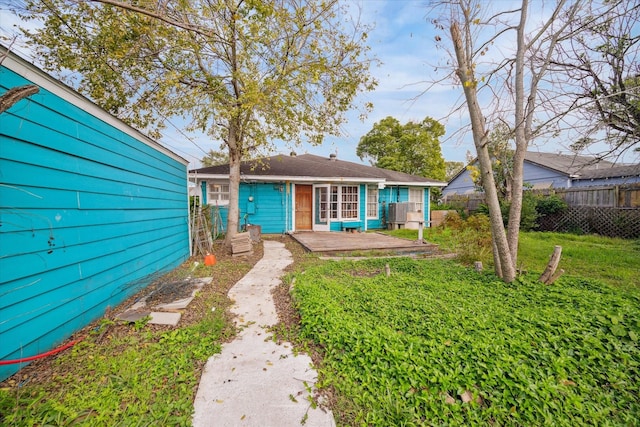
(90, 215)
(269, 206)
(461, 184)
(272, 208)
(534, 174)
(605, 181)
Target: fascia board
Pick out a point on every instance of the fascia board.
(283, 178)
(416, 184)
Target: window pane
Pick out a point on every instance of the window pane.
(415, 196)
(333, 208)
(372, 202)
(218, 192)
(349, 198)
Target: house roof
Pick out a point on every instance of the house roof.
(569, 164)
(620, 171)
(310, 166)
(575, 166)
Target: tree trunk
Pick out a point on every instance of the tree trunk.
(235, 158)
(504, 267)
(548, 276)
(515, 209)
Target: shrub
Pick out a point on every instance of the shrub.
(550, 205)
(472, 238)
(453, 220)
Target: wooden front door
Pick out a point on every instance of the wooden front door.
(304, 207)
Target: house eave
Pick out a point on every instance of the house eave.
(314, 179)
(30, 72)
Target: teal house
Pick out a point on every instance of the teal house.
(295, 193)
(91, 211)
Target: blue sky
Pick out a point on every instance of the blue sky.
(402, 39)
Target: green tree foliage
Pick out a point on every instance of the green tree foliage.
(412, 148)
(245, 72)
(452, 168)
(214, 158)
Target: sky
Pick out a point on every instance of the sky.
(403, 41)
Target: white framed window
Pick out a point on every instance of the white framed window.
(344, 202)
(217, 193)
(349, 206)
(372, 202)
(333, 204)
(416, 197)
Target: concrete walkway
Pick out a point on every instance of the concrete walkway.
(254, 381)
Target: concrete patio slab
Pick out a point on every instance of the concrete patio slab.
(132, 316)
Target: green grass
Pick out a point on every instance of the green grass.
(403, 350)
(613, 261)
(125, 381)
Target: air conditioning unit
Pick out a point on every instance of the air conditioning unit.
(398, 212)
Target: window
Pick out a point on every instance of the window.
(415, 197)
(344, 202)
(372, 202)
(333, 209)
(217, 193)
(349, 207)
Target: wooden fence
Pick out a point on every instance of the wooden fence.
(612, 211)
(615, 196)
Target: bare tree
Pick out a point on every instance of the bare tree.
(599, 71)
(513, 80)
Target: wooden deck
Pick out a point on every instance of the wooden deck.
(332, 242)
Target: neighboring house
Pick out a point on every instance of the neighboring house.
(91, 211)
(550, 170)
(311, 193)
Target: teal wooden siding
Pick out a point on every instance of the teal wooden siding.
(271, 207)
(89, 215)
(268, 208)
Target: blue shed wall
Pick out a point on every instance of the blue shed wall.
(89, 215)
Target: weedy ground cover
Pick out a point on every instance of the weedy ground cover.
(436, 343)
(130, 374)
(613, 261)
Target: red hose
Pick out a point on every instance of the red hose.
(40, 356)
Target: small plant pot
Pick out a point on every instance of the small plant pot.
(210, 260)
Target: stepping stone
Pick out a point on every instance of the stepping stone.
(159, 318)
(132, 316)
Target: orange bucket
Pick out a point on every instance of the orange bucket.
(210, 260)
